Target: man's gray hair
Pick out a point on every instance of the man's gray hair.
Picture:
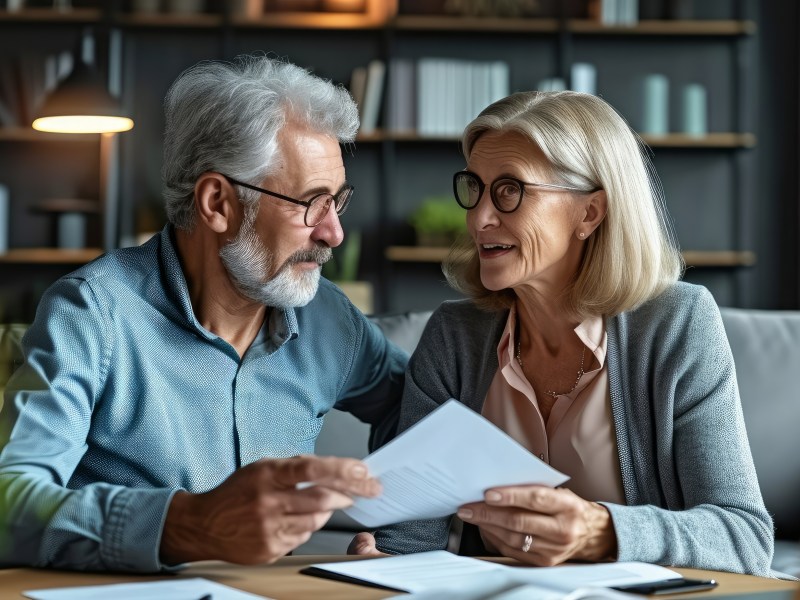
(226, 116)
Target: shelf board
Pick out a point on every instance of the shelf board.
(484, 24)
(50, 15)
(721, 258)
(182, 20)
(699, 27)
(672, 140)
(710, 140)
(433, 254)
(311, 20)
(67, 205)
(50, 256)
(380, 135)
(693, 258)
(665, 27)
(27, 134)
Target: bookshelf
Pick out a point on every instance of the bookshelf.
(709, 179)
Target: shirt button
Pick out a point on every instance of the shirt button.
(541, 455)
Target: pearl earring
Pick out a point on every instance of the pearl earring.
(581, 235)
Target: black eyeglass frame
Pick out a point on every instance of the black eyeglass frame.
(340, 206)
(519, 182)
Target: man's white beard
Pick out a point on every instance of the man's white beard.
(248, 261)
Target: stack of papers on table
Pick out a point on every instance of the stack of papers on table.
(440, 574)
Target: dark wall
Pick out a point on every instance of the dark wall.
(777, 205)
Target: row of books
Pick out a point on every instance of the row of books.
(430, 96)
(25, 81)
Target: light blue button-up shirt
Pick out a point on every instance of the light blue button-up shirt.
(125, 398)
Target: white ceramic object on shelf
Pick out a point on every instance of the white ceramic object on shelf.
(695, 110)
(71, 231)
(656, 105)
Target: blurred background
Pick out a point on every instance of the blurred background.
(710, 85)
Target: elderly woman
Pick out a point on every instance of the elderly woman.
(578, 340)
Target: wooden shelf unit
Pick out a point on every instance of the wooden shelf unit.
(387, 35)
(693, 258)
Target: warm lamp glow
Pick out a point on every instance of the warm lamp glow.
(83, 124)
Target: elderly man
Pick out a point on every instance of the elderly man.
(172, 393)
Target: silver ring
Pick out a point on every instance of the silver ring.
(526, 545)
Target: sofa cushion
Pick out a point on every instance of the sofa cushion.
(766, 352)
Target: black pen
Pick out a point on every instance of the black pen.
(206, 597)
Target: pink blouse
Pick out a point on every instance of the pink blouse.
(578, 438)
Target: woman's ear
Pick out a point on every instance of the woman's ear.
(216, 202)
(594, 212)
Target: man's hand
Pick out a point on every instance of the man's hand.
(543, 526)
(364, 545)
(258, 515)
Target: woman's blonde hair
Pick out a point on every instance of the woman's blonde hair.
(633, 255)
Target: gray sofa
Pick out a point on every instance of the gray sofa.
(766, 349)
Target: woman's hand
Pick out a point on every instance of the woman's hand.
(364, 545)
(561, 525)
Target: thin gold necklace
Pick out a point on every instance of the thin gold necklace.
(550, 393)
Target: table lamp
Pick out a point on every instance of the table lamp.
(82, 104)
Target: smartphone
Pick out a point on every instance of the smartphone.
(668, 586)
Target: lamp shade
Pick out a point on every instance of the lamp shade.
(82, 104)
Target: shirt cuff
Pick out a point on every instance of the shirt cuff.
(132, 536)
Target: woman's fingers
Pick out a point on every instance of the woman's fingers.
(511, 519)
(540, 552)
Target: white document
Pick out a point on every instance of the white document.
(430, 573)
(448, 459)
(176, 589)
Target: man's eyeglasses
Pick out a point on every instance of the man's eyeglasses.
(316, 208)
(506, 192)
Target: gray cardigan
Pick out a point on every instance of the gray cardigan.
(692, 497)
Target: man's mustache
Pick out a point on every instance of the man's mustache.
(319, 255)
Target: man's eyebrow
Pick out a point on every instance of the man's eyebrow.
(310, 193)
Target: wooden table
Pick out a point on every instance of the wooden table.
(283, 581)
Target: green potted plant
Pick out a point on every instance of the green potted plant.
(342, 269)
(438, 221)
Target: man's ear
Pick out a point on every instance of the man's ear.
(216, 202)
(595, 211)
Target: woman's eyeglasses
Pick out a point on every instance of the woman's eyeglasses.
(506, 192)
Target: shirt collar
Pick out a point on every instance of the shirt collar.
(280, 327)
(591, 331)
